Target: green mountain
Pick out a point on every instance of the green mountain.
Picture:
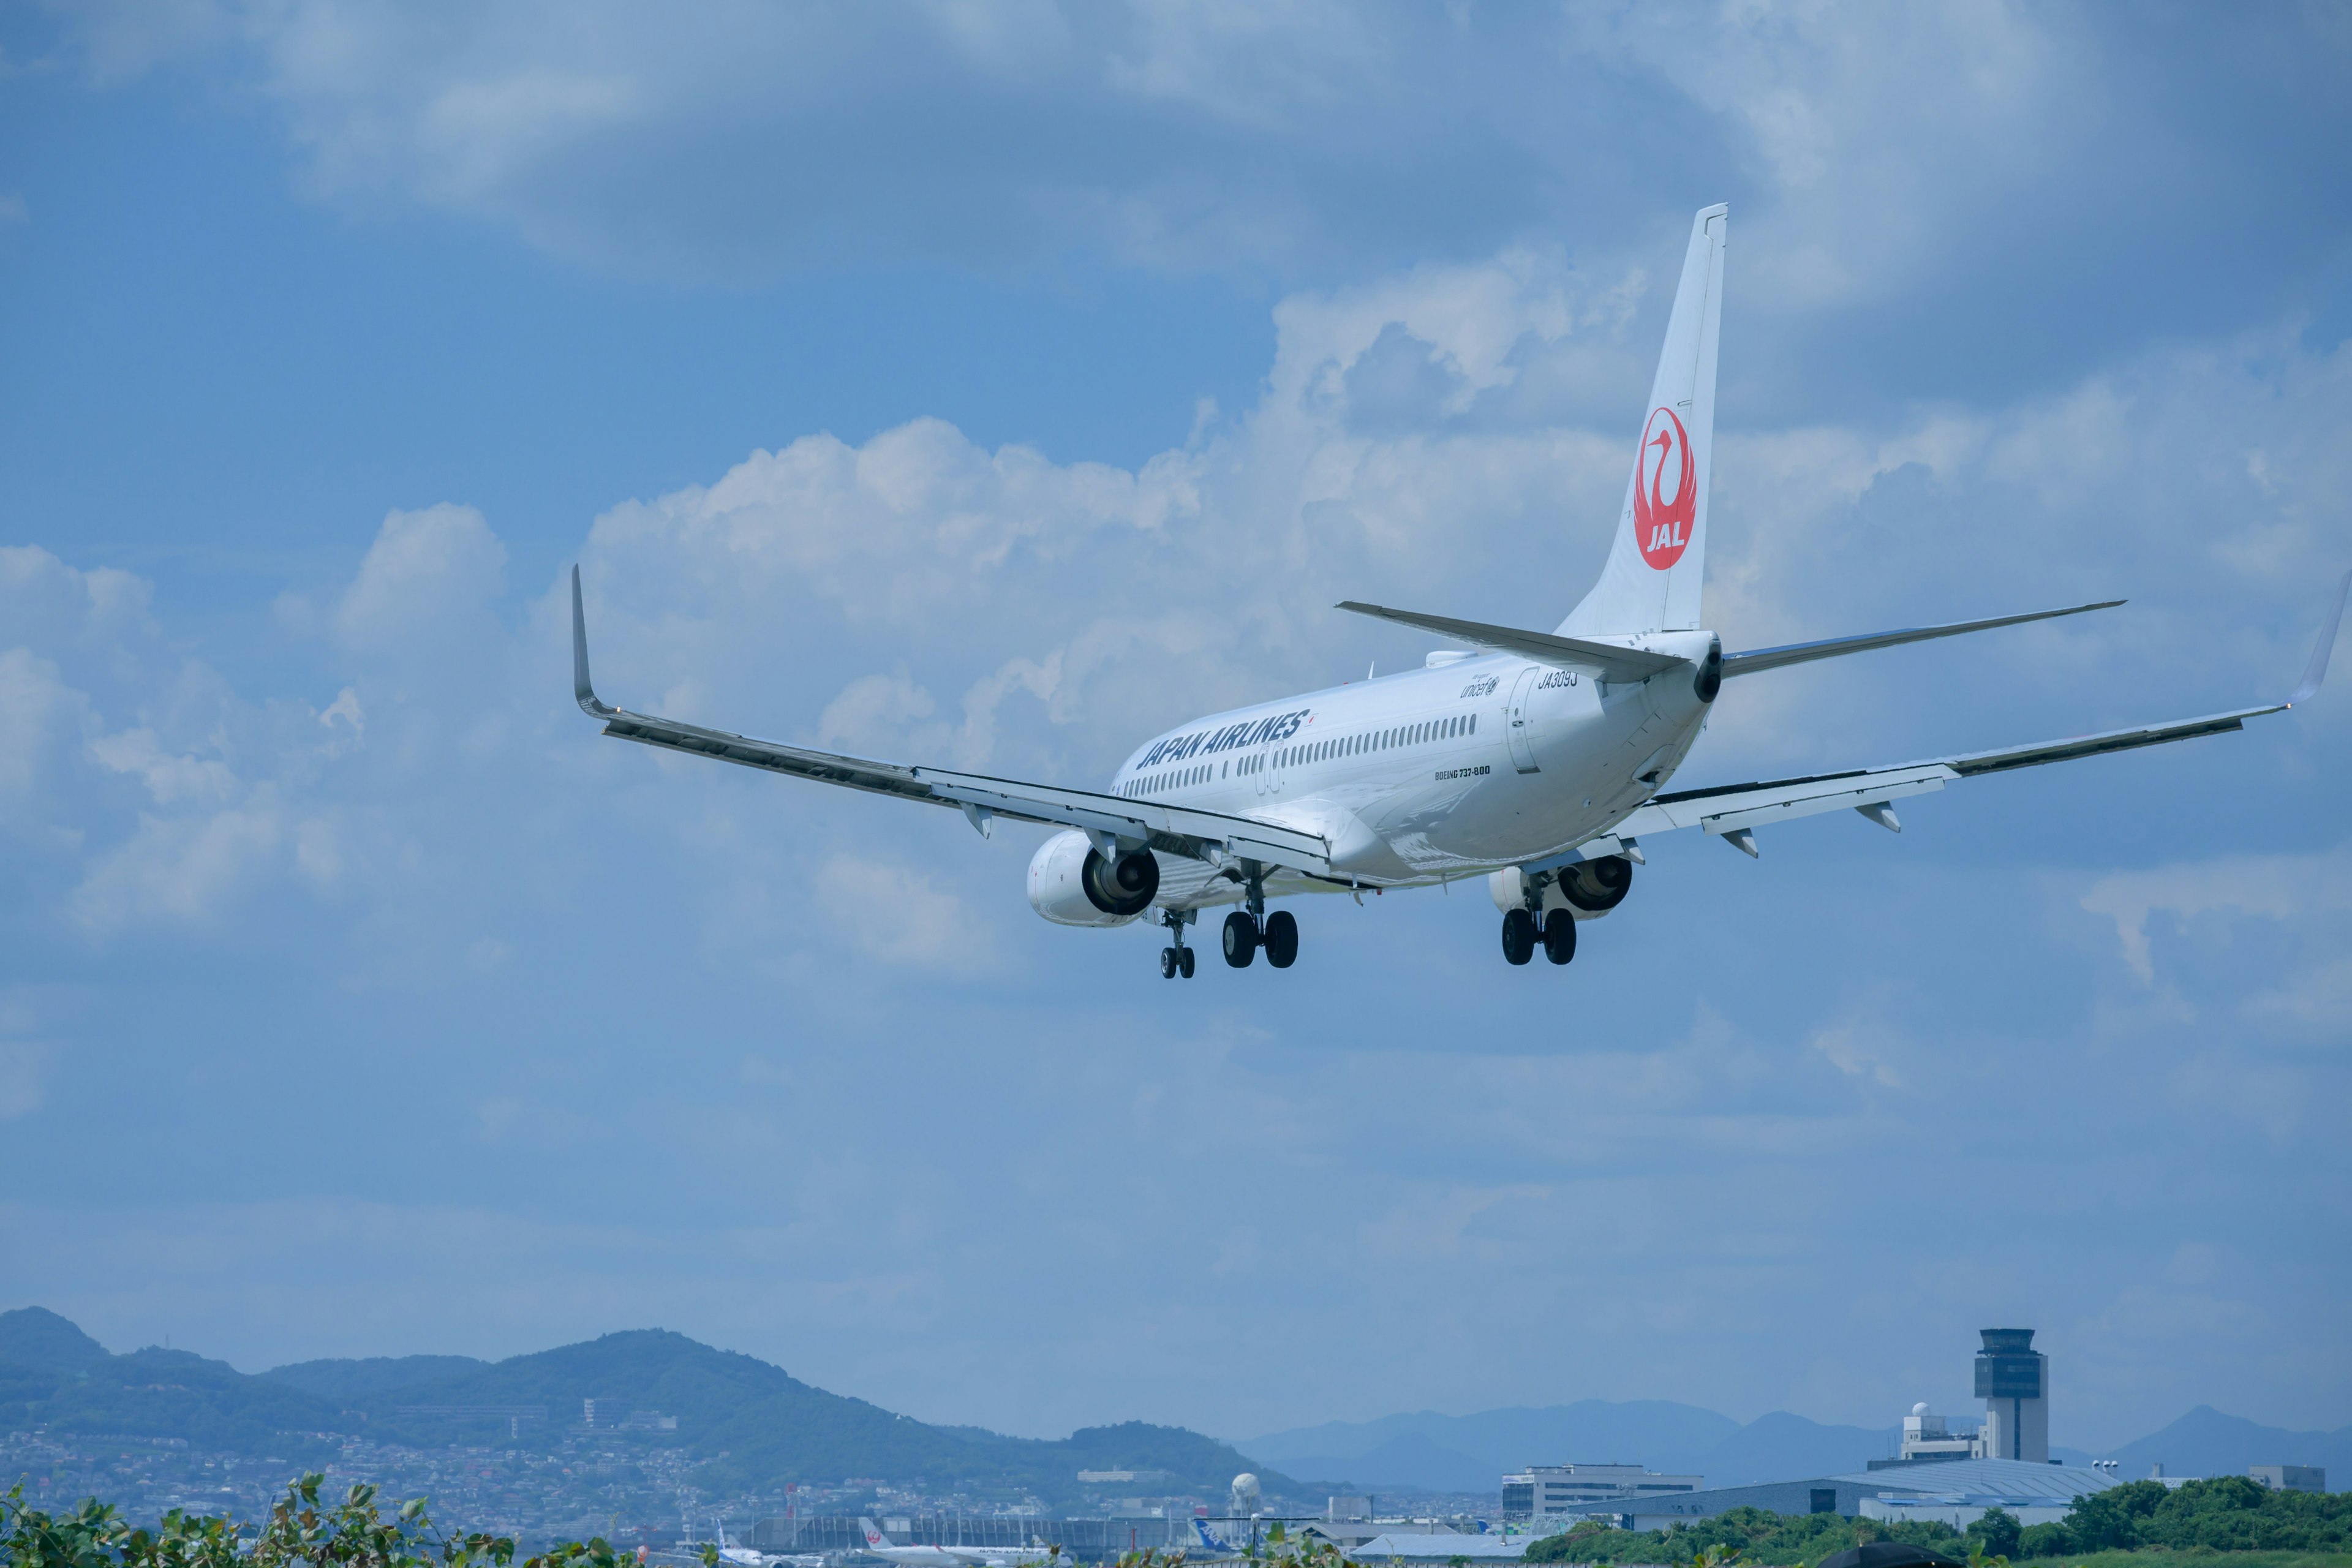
(348, 1381)
(754, 1426)
(37, 1338)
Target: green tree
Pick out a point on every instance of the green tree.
(302, 1531)
(1995, 1534)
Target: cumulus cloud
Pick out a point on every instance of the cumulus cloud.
(1886, 156)
(429, 574)
(902, 918)
(2271, 888)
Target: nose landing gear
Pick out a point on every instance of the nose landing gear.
(1176, 959)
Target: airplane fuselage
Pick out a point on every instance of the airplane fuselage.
(1464, 766)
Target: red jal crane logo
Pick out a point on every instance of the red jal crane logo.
(1663, 511)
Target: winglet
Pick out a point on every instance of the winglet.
(2317, 670)
(581, 689)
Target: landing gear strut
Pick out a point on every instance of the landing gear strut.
(1176, 959)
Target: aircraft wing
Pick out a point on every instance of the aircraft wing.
(1213, 836)
(1734, 811)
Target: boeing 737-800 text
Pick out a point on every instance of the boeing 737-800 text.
(1542, 760)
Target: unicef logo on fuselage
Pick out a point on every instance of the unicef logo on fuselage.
(1665, 491)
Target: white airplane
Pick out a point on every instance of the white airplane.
(877, 1544)
(1540, 761)
(746, 1556)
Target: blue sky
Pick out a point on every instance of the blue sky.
(1000, 385)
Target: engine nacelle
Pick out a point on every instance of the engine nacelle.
(1071, 884)
(1588, 889)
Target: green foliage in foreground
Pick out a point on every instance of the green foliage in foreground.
(301, 1530)
(2230, 1514)
(1778, 1540)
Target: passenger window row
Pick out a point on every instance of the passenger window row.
(1428, 730)
(1380, 740)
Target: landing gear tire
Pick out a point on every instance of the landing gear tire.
(1184, 961)
(1168, 962)
(1519, 936)
(1559, 936)
(1241, 940)
(1281, 939)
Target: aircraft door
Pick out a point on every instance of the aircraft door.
(1514, 720)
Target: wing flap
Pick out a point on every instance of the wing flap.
(1735, 808)
(1759, 805)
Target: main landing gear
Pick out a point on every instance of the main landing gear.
(1278, 937)
(1247, 931)
(1524, 929)
(1176, 959)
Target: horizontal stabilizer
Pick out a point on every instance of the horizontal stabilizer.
(1607, 660)
(1763, 658)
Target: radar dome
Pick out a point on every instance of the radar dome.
(1920, 1408)
(1245, 1494)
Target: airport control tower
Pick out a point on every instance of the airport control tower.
(2013, 1380)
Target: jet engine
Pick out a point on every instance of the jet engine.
(1071, 884)
(1588, 889)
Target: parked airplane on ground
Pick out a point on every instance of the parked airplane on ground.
(751, 1557)
(1541, 761)
(1211, 1542)
(744, 1555)
(877, 1544)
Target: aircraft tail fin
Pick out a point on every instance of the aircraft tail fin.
(872, 1532)
(1658, 559)
(1208, 1537)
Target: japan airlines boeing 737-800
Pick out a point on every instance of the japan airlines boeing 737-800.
(1540, 760)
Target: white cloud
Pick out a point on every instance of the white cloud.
(428, 573)
(901, 917)
(1876, 143)
(184, 870)
(2274, 887)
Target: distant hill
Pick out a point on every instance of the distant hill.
(752, 1425)
(1780, 1446)
(175, 1394)
(1408, 1461)
(38, 1339)
(354, 1380)
(1500, 1440)
(2206, 1443)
